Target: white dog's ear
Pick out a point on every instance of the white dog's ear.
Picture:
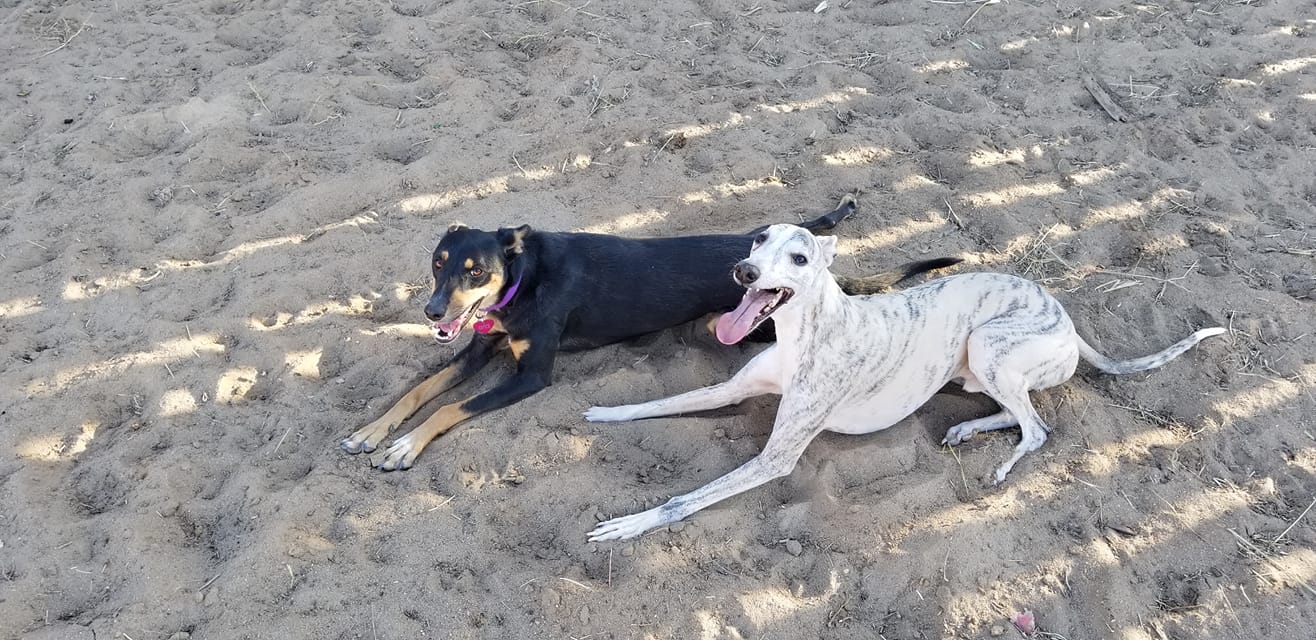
(828, 246)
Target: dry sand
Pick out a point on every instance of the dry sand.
(215, 218)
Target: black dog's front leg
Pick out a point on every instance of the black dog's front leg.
(534, 372)
(466, 363)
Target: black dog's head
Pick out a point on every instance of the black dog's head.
(471, 268)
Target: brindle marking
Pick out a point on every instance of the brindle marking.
(859, 364)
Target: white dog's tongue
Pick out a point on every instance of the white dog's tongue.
(733, 326)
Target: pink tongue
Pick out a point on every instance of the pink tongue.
(733, 326)
(451, 327)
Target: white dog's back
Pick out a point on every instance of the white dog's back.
(903, 347)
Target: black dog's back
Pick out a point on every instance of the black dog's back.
(622, 288)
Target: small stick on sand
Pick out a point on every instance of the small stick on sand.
(441, 505)
(1295, 522)
(207, 584)
(258, 98)
(662, 148)
(1268, 559)
(1103, 98)
(280, 443)
(65, 44)
(963, 478)
(953, 216)
(1167, 281)
(975, 12)
(582, 586)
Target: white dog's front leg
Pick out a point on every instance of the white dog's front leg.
(761, 375)
(777, 459)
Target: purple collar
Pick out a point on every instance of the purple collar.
(507, 297)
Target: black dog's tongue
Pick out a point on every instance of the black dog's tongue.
(451, 327)
(734, 325)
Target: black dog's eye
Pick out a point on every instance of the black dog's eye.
(476, 272)
(438, 264)
(763, 237)
(800, 260)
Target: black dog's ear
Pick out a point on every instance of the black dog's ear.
(513, 239)
(457, 225)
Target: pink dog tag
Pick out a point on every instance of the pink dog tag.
(483, 326)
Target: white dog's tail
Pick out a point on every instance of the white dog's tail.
(1148, 362)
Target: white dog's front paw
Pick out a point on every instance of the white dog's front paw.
(630, 526)
(609, 414)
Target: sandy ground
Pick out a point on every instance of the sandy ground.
(215, 219)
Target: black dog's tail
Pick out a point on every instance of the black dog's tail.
(882, 282)
(841, 212)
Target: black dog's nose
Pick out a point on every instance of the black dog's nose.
(435, 308)
(746, 273)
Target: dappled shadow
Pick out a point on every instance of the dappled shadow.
(179, 369)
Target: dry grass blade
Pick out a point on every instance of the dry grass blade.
(1038, 260)
(977, 11)
(66, 39)
(1294, 523)
(1250, 548)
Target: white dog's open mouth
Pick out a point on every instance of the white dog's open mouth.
(754, 308)
(446, 332)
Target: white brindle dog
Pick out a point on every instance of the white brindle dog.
(861, 364)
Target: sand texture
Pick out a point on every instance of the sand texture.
(215, 223)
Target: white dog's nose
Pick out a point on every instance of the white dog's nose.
(746, 273)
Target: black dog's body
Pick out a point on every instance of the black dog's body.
(621, 288)
(572, 291)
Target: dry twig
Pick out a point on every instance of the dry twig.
(1103, 98)
(66, 41)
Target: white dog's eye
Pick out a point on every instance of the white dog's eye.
(762, 237)
(800, 260)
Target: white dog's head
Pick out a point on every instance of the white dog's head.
(784, 259)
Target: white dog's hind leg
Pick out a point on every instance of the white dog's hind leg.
(1008, 367)
(965, 430)
(761, 375)
(1011, 391)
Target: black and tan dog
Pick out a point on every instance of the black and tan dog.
(537, 293)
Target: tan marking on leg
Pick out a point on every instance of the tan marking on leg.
(424, 392)
(403, 452)
(447, 417)
(368, 437)
(519, 346)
